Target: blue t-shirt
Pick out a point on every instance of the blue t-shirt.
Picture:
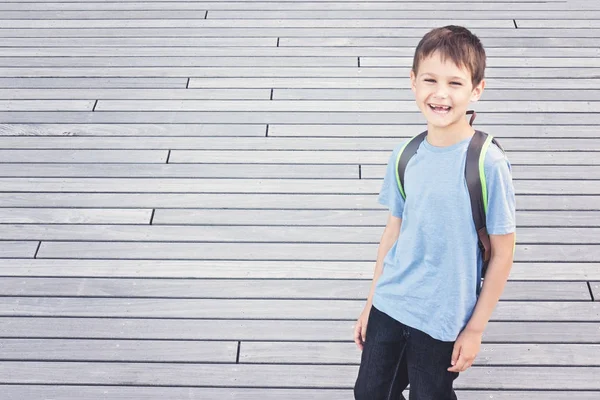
(431, 275)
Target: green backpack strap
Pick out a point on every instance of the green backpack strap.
(474, 175)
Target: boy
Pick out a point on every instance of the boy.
(426, 311)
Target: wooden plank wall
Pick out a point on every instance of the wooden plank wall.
(188, 193)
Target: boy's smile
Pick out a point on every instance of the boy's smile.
(443, 92)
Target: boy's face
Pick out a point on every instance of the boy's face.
(443, 92)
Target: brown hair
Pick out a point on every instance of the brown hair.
(456, 43)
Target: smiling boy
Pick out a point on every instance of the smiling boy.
(427, 310)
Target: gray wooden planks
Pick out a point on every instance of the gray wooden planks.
(110, 129)
(74, 216)
(396, 131)
(84, 156)
(118, 350)
(283, 376)
(253, 201)
(257, 234)
(303, 171)
(490, 354)
(58, 392)
(383, 145)
(346, 218)
(573, 311)
(335, 30)
(595, 290)
(204, 103)
(260, 117)
(280, 251)
(350, 72)
(265, 269)
(267, 330)
(240, 186)
(247, 288)
(299, 5)
(90, 82)
(13, 249)
(490, 96)
(355, 51)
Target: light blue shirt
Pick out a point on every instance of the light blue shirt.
(431, 275)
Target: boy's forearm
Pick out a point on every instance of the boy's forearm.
(387, 241)
(493, 286)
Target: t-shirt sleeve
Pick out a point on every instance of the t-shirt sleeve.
(500, 219)
(389, 195)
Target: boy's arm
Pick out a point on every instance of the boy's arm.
(496, 276)
(468, 343)
(388, 238)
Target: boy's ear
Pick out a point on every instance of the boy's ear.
(413, 79)
(478, 91)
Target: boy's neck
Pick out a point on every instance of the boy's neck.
(444, 137)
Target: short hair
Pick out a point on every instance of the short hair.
(456, 43)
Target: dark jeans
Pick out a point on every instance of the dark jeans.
(394, 355)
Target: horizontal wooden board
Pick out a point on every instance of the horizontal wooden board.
(47, 105)
(197, 51)
(248, 288)
(267, 330)
(145, 41)
(241, 186)
(250, 23)
(584, 311)
(283, 376)
(84, 156)
(113, 82)
(351, 71)
(398, 14)
(258, 201)
(111, 129)
(258, 234)
(58, 392)
(252, 269)
(491, 95)
(361, 157)
(519, 171)
(347, 218)
(280, 251)
(304, 171)
(118, 350)
(500, 62)
(595, 290)
(392, 42)
(397, 131)
(256, 31)
(14, 249)
(74, 216)
(300, 5)
(489, 355)
(513, 146)
(311, 106)
(175, 93)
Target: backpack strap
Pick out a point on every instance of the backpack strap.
(476, 183)
(404, 155)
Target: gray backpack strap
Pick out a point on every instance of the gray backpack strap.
(476, 183)
(404, 155)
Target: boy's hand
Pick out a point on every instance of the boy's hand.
(466, 348)
(360, 329)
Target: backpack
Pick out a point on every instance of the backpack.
(474, 175)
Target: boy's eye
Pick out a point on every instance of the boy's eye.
(429, 80)
(455, 83)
